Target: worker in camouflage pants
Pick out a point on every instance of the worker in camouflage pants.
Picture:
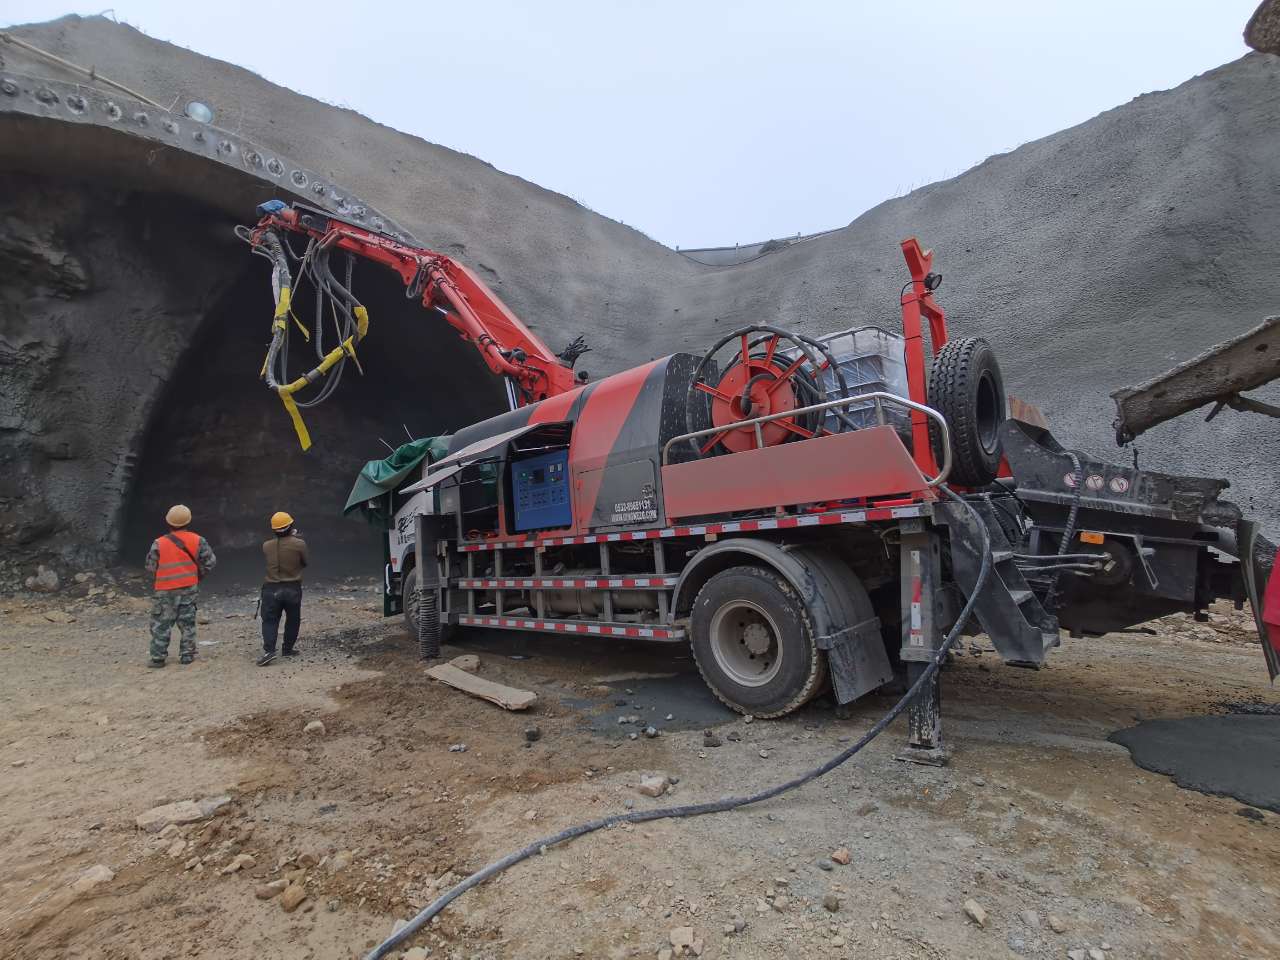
(179, 559)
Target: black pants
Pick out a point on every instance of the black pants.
(277, 599)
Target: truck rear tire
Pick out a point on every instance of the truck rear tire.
(754, 643)
(966, 387)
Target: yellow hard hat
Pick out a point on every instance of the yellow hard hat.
(178, 516)
(280, 521)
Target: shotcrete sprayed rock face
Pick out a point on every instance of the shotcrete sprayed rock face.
(215, 444)
(134, 330)
(133, 323)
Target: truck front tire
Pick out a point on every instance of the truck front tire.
(754, 643)
(409, 600)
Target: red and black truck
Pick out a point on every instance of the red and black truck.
(805, 513)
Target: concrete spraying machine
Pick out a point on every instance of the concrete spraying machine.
(808, 514)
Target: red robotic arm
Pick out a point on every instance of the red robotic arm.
(508, 347)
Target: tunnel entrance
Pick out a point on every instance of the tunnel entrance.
(221, 443)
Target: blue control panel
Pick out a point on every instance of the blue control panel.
(541, 488)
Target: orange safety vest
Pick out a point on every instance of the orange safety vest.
(177, 568)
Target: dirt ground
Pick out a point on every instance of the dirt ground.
(1037, 816)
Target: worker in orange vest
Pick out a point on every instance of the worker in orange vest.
(179, 559)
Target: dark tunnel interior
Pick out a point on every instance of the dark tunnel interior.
(221, 443)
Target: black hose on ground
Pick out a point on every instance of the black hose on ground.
(725, 803)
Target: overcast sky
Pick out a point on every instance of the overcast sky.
(711, 123)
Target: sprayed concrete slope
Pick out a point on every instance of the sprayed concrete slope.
(1093, 258)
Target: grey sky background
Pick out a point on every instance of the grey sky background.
(711, 123)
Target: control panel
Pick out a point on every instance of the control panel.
(540, 486)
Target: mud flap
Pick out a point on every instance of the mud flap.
(1257, 560)
(856, 658)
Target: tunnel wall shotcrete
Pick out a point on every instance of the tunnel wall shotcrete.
(1092, 258)
(215, 445)
(101, 292)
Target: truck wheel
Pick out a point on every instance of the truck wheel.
(965, 386)
(754, 643)
(409, 601)
(410, 605)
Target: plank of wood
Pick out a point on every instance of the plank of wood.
(509, 698)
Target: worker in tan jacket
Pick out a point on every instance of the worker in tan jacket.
(286, 555)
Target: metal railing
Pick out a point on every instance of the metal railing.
(879, 397)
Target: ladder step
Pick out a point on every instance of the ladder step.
(1021, 596)
(1001, 556)
(589, 582)
(599, 628)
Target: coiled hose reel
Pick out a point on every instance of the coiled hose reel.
(774, 370)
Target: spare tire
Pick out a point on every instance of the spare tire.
(966, 387)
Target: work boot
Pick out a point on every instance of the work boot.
(156, 664)
(186, 659)
(264, 659)
(290, 653)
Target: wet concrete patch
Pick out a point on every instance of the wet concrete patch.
(604, 681)
(683, 697)
(1233, 756)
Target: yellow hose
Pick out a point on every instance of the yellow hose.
(346, 348)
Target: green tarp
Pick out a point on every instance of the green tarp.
(380, 477)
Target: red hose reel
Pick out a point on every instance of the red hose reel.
(773, 371)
